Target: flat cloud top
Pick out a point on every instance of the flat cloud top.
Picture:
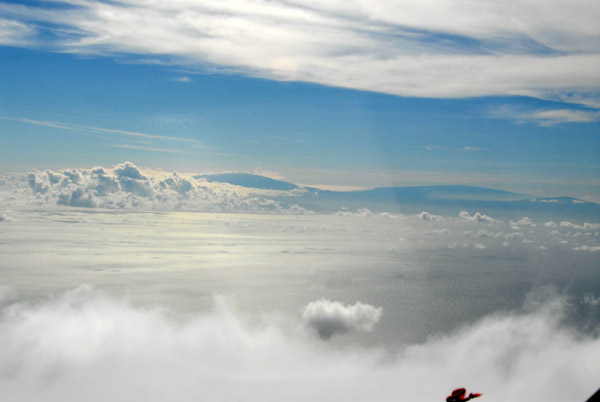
(428, 48)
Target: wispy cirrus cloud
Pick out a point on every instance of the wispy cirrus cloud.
(15, 33)
(556, 116)
(548, 117)
(429, 48)
(150, 149)
(101, 130)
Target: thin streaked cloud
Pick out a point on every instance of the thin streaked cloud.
(150, 149)
(548, 117)
(429, 48)
(100, 130)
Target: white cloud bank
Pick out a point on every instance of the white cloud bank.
(126, 187)
(428, 48)
(329, 318)
(85, 346)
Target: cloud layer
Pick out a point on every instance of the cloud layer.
(85, 346)
(427, 48)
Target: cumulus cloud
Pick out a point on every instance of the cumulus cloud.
(525, 221)
(477, 217)
(362, 212)
(329, 318)
(127, 187)
(584, 226)
(429, 48)
(426, 216)
(85, 346)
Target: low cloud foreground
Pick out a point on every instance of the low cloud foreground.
(329, 318)
(83, 345)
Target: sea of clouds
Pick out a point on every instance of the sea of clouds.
(84, 345)
(87, 344)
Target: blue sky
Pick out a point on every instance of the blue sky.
(316, 93)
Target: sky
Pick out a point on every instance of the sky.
(496, 94)
(109, 276)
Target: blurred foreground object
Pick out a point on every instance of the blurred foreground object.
(459, 395)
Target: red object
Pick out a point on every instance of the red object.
(458, 395)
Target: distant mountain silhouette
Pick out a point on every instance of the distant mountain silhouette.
(444, 199)
(248, 180)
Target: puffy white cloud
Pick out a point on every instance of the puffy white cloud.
(127, 187)
(85, 346)
(477, 217)
(362, 212)
(525, 221)
(426, 216)
(128, 170)
(390, 216)
(550, 224)
(585, 226)
(329, 318)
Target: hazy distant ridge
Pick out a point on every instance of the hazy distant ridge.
(441, 198)
(248, 180)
